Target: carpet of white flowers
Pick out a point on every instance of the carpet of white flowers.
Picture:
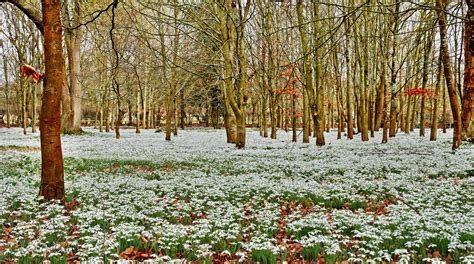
(198, 198)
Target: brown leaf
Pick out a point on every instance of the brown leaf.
(127, 253)
(7, 230)
(436, 254)
(72, 205)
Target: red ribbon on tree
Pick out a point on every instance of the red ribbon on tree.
(27, 71)
(418, 91)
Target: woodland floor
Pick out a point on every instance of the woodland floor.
(200, 199)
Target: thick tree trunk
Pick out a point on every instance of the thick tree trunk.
(467, 116)
(52, 172)
(444, 52)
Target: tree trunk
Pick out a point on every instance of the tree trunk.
(169, 112)
(24, 115)
(445, 114)
(7, 91)
(182, 113)
(73, 47)
(144, 113)
(413, 115)
(264, 116)
(293, 118)
(308, 74)
(426, 59)
(444, 52)
(130, 113)
(434, 121)
(349, 90)
(379, 102)
(229, 123)
(137, 125)
(33, 108)
(319, 89)
(52, 172)
(273, 117)
(467, 116)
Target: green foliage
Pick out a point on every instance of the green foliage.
(263, 256)
(311, 253)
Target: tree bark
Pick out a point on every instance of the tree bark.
(72, 121)
(426, 57)
(52, 172)
(444, 52)
(319, 89)
(467, 116)
(7, 90)
(308, 74)
(434, 121)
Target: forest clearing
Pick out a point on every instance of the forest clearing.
(236, 131)
(200, 199)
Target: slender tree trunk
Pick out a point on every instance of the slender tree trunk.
(273, 117)
(137, 125)
(413, 115)
(349, 89)
(182, 113)
(169, 112)
(52, 172)
(426, 59)
(24, 106)
(33, 108)
(379, 102)
(73, 117)
(408, 114)
(130, 113)
(293, 118)
(144, 100)
(229, 123)
(445, 112)
(319, 89)
(434, 122)
(308, 74)
(264, 116)
(101, 119)
(7, 89)
(393, 80)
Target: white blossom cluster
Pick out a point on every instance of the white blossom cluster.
(367, 201)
